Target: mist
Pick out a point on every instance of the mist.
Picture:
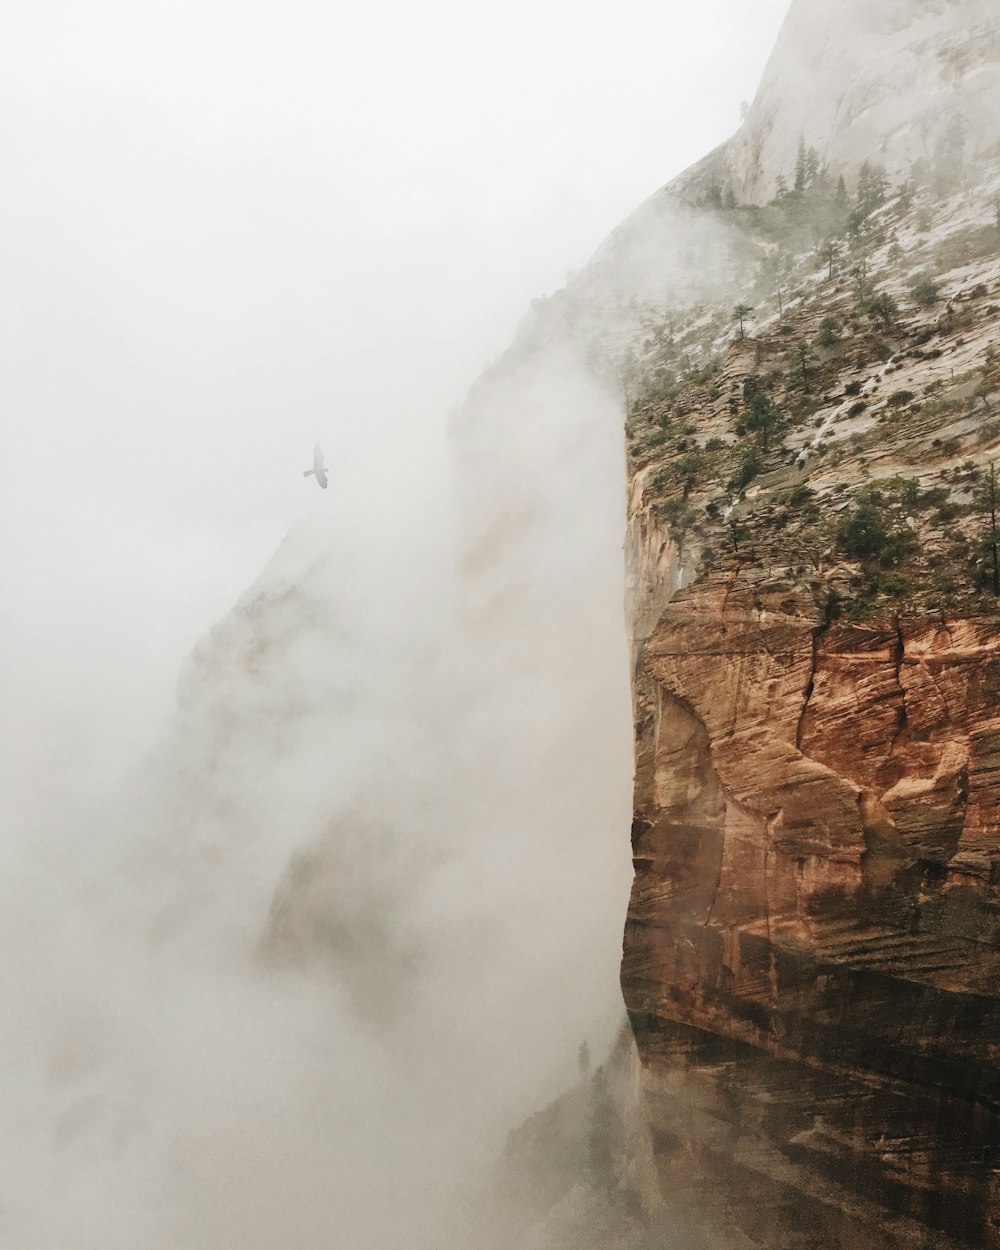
(316, 804)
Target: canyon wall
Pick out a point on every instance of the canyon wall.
(803, 332)
(812, 949)
(811, 946)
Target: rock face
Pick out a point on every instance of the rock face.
(812, 940)
(812, 952)
(879, 80)
(812, 947)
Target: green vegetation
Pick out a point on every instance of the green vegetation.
(948, 168)
(738, 533)
(678, 516)
(925, 289)
(799, 220)
(987, 502)
(900, 399)
(706, 373)
(806, 361)
(829, 332)
(750, 465)
(862, 532)
(831, 323)
(884, 309)
(876, 534)
(763, 417)
(871, 190)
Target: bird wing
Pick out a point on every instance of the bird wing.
(318, 458)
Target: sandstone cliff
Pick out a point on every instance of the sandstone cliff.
(813, 942)
(812, 939)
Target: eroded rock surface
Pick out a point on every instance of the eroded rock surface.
(811, 950)
(812, 953)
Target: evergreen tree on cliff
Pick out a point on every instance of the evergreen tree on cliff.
(988, 502)
(801, 166)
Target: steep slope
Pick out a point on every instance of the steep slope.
(811, 949)
(811, 944)
(817, 802)
(811, 954)
(881, 80)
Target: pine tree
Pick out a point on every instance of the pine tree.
(805, 363)
(864, 186)
(740, 314)
(860, 275)
(871, 188)
(987, 500)
(801, 165)
(822, 180)
(883, 307)
(762, 417)
(878, 186)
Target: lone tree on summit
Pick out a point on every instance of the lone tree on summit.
(740, 314)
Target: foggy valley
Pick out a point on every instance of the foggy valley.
(317, 801)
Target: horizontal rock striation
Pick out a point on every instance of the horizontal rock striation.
(812, 938)
(812, 952)
(805, 331)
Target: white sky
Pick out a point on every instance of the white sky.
(231, 227)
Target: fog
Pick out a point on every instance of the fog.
(308, 901)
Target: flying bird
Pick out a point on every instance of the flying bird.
(319, 469)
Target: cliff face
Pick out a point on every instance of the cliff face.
(812, 949)
(864, 80)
